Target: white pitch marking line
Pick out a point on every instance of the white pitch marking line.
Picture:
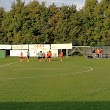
(8, 64)
(90, 69)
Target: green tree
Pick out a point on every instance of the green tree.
(89, 34)
(2, 14)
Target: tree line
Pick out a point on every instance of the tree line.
(36, 23)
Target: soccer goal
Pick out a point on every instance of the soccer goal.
(83, 50)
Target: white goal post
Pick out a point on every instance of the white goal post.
(81, 49)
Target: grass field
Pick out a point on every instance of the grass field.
(76, 83)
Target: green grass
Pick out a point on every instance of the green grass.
(76, 83)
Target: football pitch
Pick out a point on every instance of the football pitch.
(76, 83)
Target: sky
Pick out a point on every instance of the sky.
(79, 3)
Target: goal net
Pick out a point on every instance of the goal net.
(83, 50)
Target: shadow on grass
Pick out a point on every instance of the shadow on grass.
(89, 105)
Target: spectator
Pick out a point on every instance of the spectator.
(93, 53)
(98, 53)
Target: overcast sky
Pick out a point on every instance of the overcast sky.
(79, 3)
